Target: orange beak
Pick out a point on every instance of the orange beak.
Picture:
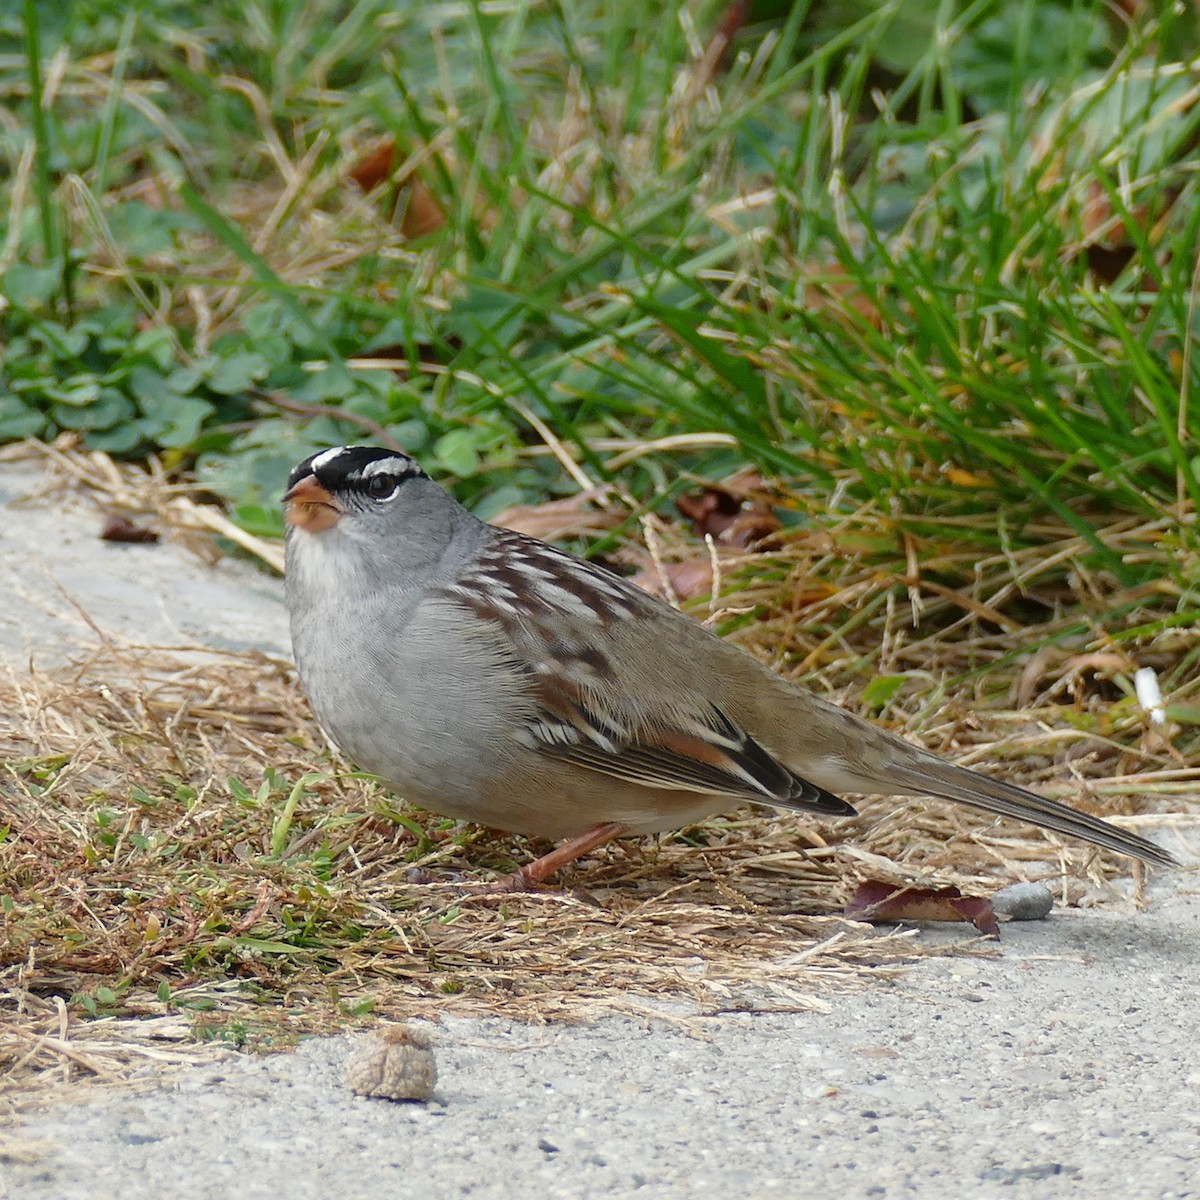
(310, 507)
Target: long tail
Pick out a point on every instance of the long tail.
(838, 751)
(930, 776)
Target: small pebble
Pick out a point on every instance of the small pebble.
(1023, 902)
(394, 1063)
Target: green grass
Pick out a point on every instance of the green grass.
(876, 247)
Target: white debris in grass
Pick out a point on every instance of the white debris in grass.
(1145, 682)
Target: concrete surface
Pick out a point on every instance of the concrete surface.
(54, 568)
(1067, 1066)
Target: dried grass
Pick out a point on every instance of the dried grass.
(186, 863)
(133, 865)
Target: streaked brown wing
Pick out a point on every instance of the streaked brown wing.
(713, 756)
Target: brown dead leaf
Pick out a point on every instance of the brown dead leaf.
(375, 167)
(691, 578)
(1108, 244)
(421, 212)
(1100, 224)
(732, 19)
(570, 517)
(735, 521)
(121, 529)
(686, 578)
(876, 900)
(408, 199)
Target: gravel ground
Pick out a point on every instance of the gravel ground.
(1066, 1065)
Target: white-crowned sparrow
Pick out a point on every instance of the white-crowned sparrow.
(489, 676)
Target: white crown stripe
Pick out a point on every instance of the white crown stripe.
(400, 467)
(326, 457)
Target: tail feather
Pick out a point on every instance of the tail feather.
(935, 777)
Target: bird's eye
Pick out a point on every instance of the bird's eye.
(380, 487)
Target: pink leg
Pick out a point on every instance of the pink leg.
(542, 868)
